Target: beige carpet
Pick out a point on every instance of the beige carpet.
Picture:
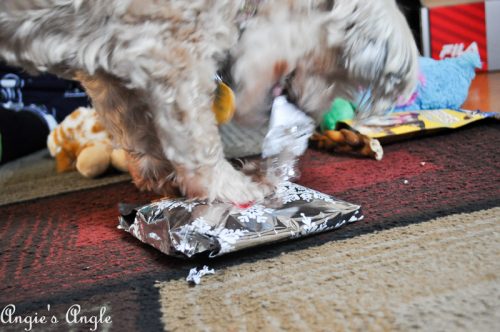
(441, 275)
(34, 176)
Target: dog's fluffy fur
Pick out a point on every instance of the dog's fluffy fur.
(148, 66)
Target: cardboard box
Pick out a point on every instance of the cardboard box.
(450, 27)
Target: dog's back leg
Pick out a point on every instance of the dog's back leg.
(127, 117)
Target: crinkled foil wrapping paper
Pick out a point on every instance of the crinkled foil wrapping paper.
(185, 228)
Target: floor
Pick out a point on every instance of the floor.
(484, 93)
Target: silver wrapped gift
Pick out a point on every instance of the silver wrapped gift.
(184, 228)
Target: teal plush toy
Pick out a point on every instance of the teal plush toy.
(444, 84)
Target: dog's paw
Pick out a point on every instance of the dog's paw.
(223, 183)
(149, 174)
(165, 186)
(242, 191)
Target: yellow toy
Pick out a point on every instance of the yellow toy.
(224, 104)
(80, 142)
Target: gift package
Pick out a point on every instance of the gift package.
(185, 228)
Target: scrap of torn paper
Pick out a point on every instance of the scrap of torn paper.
(195, 276)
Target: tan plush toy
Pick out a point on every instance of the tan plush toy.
(81, 142)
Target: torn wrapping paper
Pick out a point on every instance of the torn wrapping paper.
(284, 137)
(285, 141)
(185, 228)
(195, 275)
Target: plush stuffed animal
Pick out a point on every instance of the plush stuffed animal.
(81, 142)
(224, 104)
(341, 110)
(444, 84)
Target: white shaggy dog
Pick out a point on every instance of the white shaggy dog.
(148, 66)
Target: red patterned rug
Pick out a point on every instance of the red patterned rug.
(65, 250)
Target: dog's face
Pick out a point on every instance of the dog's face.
(357, 46)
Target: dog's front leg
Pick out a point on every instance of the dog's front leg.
(187, 130)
